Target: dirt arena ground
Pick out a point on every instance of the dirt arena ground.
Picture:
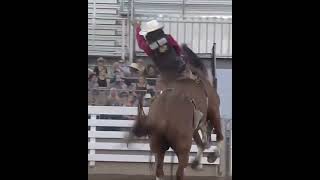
(141, 171)
(140, 177)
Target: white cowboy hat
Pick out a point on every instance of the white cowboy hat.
(135, 66)
(101, 59)
(150, 26)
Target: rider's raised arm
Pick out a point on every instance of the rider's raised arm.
(142, 43)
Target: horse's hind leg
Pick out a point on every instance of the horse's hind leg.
(159, 165)
(183, 163)
(158, 146)
(197, 162)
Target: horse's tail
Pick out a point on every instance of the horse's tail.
(140, 127)
(140, 106)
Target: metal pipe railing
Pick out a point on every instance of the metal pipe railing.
(94, 23)
(203, 31)
(123, 40)
(132, 30)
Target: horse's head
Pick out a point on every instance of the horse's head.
(192, 59)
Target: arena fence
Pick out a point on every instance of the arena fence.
(107, 36)
(111, 33)
(199, 34)
(228, 125)
(112, 148)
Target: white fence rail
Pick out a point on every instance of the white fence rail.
(113, 146)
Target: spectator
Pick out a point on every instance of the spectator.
(102, 79)
(147, 100)
(90, 71)
(134, 70)
(113, 99)
(101, 98)
(134, 74)
(92, 82)
(116, 69)
(92, 88)
(124, 68)
(141, 87)
(101, 66)
(140, 64)
(123, 98)
(119, 83)
(150, 72)
(131, 101)
(151, 91)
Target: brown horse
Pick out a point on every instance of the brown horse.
(179, 114)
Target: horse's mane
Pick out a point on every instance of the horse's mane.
(193, 59)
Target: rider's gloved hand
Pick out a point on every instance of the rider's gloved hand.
(136, 23)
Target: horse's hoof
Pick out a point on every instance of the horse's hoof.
(212, 157)
(128, 138)
(199, 167)
(196, 165)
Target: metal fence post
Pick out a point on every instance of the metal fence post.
(123, 40)
(228, 147)
(132, 30)
(223, 152)
(121, 6)
(230, 154)
(94, 24)
(183, 9)
(214, 67)
(92, 140)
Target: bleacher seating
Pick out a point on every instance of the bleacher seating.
(107, 31)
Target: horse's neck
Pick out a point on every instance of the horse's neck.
(169, 76)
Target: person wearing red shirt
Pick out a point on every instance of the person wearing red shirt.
(154, 42)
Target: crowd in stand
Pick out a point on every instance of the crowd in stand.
(122, 84)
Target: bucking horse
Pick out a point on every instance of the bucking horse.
(187, 108)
